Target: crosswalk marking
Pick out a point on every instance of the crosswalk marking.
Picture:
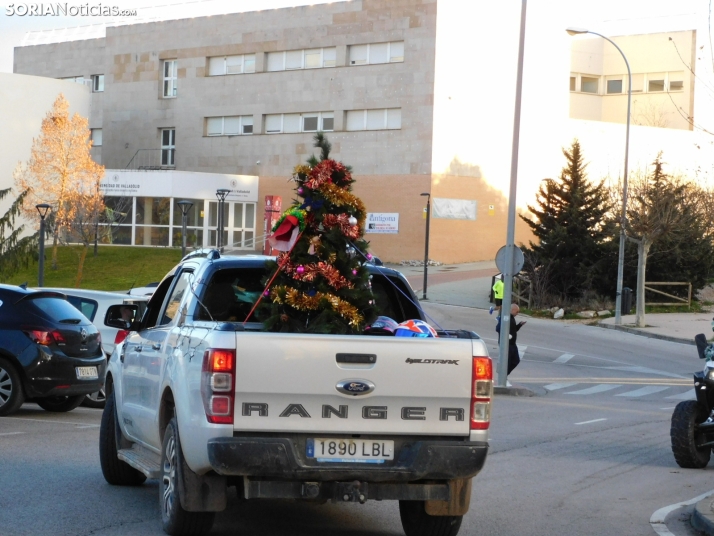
(601, 388)
(687, 395)
(556, 386)
(564, 358)
(644, 391)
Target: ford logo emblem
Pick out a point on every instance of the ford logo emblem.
(355, 387)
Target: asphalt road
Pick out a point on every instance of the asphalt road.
(578, 459)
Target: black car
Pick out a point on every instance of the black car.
(50, 353)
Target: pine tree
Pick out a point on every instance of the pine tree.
(16, 251)
(321, 284)
(574, 231)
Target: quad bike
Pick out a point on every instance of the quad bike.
(692, 429)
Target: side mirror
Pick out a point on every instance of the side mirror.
(122, 316)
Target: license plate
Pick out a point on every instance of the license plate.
(87, 373)
(350, 450)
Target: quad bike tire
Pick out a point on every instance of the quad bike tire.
(685, 436)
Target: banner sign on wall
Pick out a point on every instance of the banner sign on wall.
(172, 183)
(382, 223)
(453, 209)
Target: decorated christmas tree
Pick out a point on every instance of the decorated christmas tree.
(319, 283)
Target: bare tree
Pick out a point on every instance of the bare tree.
(657, 206)
(59, 168)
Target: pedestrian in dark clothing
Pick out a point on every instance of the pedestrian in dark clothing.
(513, 358)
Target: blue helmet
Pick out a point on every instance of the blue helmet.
(415, 328)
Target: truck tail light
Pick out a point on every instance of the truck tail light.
(481, 393)
(218, 385)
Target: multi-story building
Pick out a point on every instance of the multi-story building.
(245, 93)
(662, 67)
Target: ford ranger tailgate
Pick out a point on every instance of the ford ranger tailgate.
(312, 383)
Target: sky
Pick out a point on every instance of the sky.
(612, 17)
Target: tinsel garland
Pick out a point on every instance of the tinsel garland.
(322, 173)
(302, 302)
(341, 197)
(311, 271)
(342, 221)
(292, 211)
(301, 169)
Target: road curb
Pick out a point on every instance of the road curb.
(513, 391)
(703, 516)
(638, 331)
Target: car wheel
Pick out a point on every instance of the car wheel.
(685, 436)
(95, 400)
(176, 520)
(416, 522)
(115, 471)
(11, 394)
(60, 404)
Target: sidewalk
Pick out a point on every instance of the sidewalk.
(469, 285)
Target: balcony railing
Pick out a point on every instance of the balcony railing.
(152, 159)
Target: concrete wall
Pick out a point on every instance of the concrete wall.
(24, 103)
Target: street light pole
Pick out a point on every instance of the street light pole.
(185, 206)
(623, 217)
(426, 242)
(221, 194)
(511, 226)
(42, 208)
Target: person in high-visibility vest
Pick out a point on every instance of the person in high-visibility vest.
(497, 294)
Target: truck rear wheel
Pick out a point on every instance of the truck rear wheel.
(115, 471)
(416, 522)
(685, 436)
(176, 520)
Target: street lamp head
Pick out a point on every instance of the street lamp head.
(576, 31)
(426, 194)
(185, 206)
(222, 193)
(43, 208)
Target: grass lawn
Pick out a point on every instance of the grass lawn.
(114, 268)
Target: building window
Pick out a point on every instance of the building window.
(572, 83)
(588, 84)
(236, 125)
(168, 147)
(96, 137)
(290, 60)
(97, 83)
(381, 119)
(374, 53)
(675, 81)
(222, 65)
(169, 79)
(655, 83)
(614, 86)
(293, 123)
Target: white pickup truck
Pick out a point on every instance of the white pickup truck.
(201, 401)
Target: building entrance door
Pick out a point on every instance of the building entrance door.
(238, 225)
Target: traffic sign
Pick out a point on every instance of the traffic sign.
(518, 259)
